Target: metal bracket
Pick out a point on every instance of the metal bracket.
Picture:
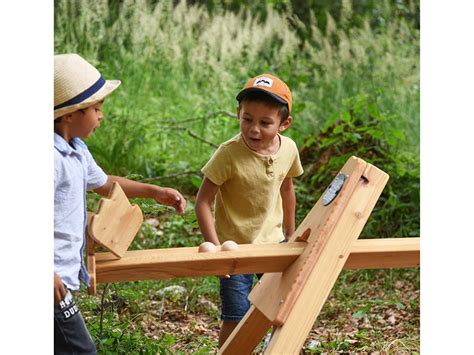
(334, 187)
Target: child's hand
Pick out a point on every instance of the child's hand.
(59, 289)
(171, 197)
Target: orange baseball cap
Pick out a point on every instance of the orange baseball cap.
(271, 85)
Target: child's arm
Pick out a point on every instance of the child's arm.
(289, 203)
(164, 195)
(204, 199)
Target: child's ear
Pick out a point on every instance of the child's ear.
(67, 117)
(238, 112)
(285, 124)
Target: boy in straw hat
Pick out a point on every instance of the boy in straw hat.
(79, 91)
(260, 162)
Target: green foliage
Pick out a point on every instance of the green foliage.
(181, 67)
(362, 129)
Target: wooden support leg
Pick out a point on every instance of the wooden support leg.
(248, 333)
(91, 265)
(290, 336)
(90, 257)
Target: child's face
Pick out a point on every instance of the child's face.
(259, 125)
(85, 122)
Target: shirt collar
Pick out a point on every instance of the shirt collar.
(64, 147)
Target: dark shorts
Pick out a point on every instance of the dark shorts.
(234, 296)
(70, 332)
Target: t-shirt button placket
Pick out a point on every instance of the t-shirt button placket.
(270, 167)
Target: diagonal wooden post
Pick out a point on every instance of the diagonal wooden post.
(292, 299)
(248, 333)
(328, 267)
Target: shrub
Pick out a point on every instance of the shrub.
(363, 130)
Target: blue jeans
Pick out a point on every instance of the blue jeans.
(70, 332)
(234, 296)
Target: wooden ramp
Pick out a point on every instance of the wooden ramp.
(298, 275)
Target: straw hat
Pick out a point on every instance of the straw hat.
(77, 84)
(270, 85)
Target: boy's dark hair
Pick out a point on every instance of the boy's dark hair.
(60, 119)
(260, 96)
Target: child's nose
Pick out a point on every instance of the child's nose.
(254, 129)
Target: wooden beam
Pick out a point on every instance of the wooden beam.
(384, 253)
(292, 331)
(332, 230)
(248, 333)
(168, 263)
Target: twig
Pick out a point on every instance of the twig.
(102, 310)
(194, 135)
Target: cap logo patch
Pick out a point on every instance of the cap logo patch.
(263, 81)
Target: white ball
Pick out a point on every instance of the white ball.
(229, 246)
(207, 247)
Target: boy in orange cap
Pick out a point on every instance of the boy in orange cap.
(79, 91)
(250, 178)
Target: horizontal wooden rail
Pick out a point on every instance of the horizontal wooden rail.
(384, 253)
(188, 262)
(168, 263)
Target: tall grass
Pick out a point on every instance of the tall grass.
(179, 64)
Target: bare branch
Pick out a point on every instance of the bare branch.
(194, 135)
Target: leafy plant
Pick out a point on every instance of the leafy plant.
(364, 130)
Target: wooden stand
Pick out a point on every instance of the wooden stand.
(291, 300)
(299, 275)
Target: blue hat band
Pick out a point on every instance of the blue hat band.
(83, 95)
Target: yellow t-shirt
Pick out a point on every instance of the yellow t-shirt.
(248, 207)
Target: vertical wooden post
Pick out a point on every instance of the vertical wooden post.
(90, 259)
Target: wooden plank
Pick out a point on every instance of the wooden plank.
(248, 333)
(188, 262)
(290, 336)
(384, 253)
(116, 222)
(278, 292)
(90, 259)
(171, 262)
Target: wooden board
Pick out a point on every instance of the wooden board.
(188, 262)
(384, 253)
(248, 333)
(90, 259)
(278, 292)
(116, 222)
(328, 266)
(157, 264)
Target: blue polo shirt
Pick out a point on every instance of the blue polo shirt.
(75, 172)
